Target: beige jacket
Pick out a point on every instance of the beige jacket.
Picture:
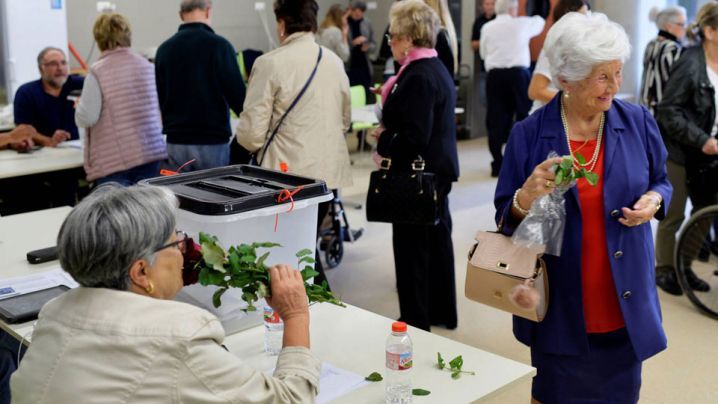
(96, 345)
(311, 139)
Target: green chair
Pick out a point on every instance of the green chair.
(358, 99)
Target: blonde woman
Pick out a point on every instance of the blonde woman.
(447, 45)
(120, 110)
(334, 32)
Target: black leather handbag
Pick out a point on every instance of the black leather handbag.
(402, 195)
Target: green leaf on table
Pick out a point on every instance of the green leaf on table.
(440, 361)
(579, 157)
(456, 363)
(420, 392)
(304, 252)
(456, 374)
(374, 377)
(217, 296)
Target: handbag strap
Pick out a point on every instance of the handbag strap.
(291, 107)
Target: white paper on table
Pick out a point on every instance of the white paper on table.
(335, 382)
(22, 285)
(70, 144)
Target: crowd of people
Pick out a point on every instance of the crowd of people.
(121, 245)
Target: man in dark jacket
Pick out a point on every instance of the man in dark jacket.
(198, 80)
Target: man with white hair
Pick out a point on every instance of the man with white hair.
(198, 80)
(504, 47)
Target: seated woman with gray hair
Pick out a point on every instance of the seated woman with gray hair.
(603, 316)
(120, 336)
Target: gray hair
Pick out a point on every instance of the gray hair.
(666, 16)
(111, 229)
(504, 6)
(41, 55)
(577, 43)
(187, 6)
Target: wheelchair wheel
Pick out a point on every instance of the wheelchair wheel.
(333, 252)
(696, 274)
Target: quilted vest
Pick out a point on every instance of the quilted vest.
(129, 131)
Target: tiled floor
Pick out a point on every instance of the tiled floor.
(687, 372)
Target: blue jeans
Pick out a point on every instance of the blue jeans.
(206, 155)
(133, 175)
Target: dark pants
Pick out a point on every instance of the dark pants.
(133, 175)
(323, 209)
(424, 263)
(508, 100)
(206, 156)
(9, 347)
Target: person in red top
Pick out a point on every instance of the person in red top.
(603, 317)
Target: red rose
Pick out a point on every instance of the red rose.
(192, 256)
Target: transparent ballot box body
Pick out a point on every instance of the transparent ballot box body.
(242, 204)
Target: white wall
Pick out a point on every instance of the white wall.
(28, 27)
(153, 21)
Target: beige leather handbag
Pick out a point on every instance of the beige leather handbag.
(497, 265)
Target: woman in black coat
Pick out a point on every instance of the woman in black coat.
(418, 121)
(687, 117)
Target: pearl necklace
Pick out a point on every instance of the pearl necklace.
(599, 136)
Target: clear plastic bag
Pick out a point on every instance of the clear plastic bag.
(545, 221)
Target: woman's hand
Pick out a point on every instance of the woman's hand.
(289, 298)
(539, 183)
(710, 147)
(643, 210)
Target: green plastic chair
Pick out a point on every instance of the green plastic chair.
(358, 99)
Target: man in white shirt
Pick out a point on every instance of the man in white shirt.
(504, 47)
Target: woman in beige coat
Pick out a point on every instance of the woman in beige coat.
(310, 141)
(120, 337)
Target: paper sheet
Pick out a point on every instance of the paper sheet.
(335, 382)
(71, 144)
(27, 284)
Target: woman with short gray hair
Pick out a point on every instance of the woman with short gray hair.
(121, 335)
(603, 315)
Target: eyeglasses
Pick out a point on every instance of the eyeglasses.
(180, 243)
(390, 37)
(55, 64)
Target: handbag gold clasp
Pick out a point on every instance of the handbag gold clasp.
(385, 163)
(503, 265)
(418, 165)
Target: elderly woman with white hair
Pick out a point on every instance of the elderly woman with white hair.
(661, 52)
(603, 316)
(121, 337)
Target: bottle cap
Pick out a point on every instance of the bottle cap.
(398, 326)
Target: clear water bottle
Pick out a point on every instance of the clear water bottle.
(273, 331)
(399, 361)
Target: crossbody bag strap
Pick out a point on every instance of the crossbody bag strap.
(294, 103)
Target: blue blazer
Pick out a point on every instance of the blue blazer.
(634, 163)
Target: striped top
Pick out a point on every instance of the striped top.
(660, 54)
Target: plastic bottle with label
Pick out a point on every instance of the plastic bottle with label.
(399, 362)
(273, 331)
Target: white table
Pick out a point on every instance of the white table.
(46, 159)
(349, 338)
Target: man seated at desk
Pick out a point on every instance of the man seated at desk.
(44, 103)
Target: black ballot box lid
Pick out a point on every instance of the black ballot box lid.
(236, 189)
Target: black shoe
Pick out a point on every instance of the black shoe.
(668, 282)
(696, 283)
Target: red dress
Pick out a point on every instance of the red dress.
(601, 309)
